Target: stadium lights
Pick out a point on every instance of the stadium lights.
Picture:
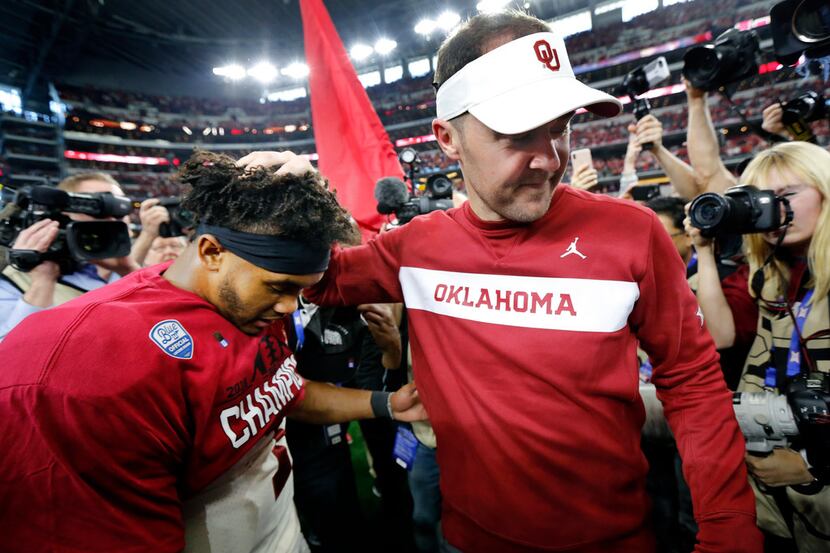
(384, 46)
(491, 6)
(264, 72)
(425, 27)
(187, 130)
(360, 52)
(447, 20)
(233, 72)
(296, 70)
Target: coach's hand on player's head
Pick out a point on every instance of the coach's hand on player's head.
(284, 162)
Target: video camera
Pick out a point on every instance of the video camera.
(181, 220)
(800, 27)
(769, 420)
(640, 81)
(77, 241)
(393, 196)
(742, 209)
(732, 57)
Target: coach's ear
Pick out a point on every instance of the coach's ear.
(211, 252)
(447, 135)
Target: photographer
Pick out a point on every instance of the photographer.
(796, 281)
(22, 294)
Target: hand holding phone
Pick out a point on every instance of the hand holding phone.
(580, 158)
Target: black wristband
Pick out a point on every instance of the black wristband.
(380, 405)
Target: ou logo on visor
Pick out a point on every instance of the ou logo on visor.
(546, 55)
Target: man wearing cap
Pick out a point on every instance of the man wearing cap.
(526, 307)
(148, 415)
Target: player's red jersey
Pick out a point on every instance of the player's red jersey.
(136, 414)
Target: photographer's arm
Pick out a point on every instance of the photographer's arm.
(704, 151)
(710, 297)
(683, 178)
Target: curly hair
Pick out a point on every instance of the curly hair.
(260, 202)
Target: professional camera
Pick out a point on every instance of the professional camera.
(742, 209)
(640, 81)
(77, 241)
(810, 106)
(800, 27)
(181, 219)
(769, 421)
(733, 56)
(393, 196)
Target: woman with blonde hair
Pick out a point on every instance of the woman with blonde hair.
(787, 284)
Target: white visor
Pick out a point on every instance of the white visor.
(520, 86)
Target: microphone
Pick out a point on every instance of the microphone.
(391, 193)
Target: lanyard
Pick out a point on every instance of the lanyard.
(298, 329)
(794, 359)
(794, 355)
(692, 262)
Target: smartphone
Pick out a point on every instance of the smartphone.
(581, 157)
(645, 192)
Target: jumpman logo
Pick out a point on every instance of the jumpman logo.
(572, 249)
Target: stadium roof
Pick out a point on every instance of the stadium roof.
(159, 40)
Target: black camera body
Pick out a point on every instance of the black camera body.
(77, 241)
(800, 27)
(640, 81)
(732, 57)
(742, 209)
(181, 220)
(798, 112)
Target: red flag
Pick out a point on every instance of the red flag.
(353, 146)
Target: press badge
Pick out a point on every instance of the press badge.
(406, 445)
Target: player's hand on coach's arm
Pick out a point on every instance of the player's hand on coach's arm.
(326, 403)
(284, 162)
(406, 404)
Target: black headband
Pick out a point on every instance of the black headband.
(272, 253)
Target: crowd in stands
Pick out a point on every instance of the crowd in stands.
(405, 100)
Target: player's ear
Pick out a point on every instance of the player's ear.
(211, 253)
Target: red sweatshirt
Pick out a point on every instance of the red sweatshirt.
(522, 340)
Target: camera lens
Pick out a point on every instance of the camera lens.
(708, 212)
(701, 65)
(811, 21)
